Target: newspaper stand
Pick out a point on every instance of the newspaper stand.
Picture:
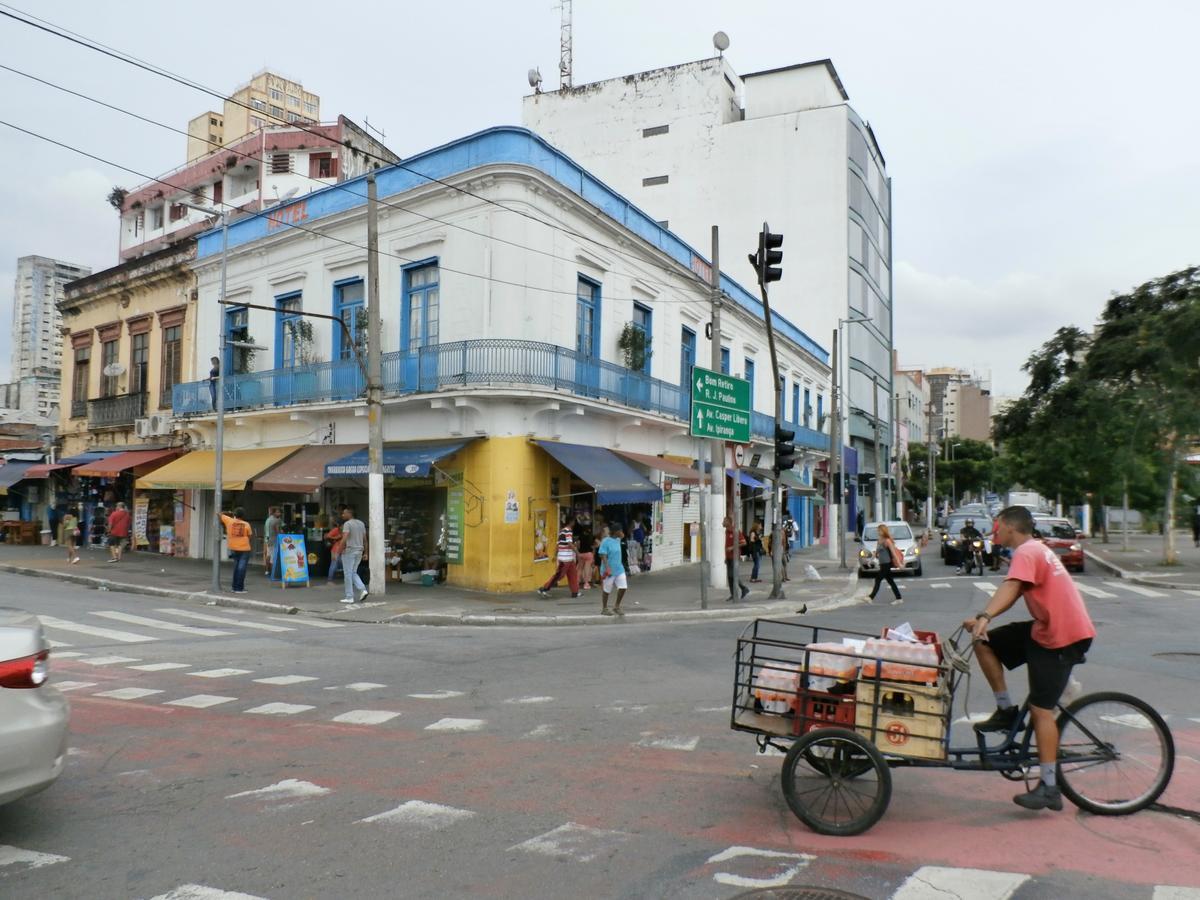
(841, 736)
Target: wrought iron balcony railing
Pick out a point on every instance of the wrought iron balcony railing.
(111, 412)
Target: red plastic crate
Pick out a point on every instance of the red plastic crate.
(825, 710)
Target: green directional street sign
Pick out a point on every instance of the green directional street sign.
(720, 406)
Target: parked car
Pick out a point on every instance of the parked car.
(906, 543)
(951, 551)
(1061, 536)
(33, 714)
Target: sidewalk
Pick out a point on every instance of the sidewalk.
(667, 595)
(1142, 563)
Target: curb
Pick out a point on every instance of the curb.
(1126, 575)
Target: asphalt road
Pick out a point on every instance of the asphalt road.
(281, 757)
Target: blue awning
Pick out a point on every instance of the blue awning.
(749, 482)
(12, 472)
(615, 480)
(399, 460)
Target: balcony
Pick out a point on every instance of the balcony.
(763, 425)
(115, 412)
(463, 364)
(79, 409)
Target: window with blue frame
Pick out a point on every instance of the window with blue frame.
(808, 408)
(587, 318)
(687, 356)
(796, 404)
(237, 328)
(749, 374)
(422, 306)
(349, 306)
(643, 321)
(724, 360)
(291, 332)
(820, 408)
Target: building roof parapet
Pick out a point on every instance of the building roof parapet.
(161, 261)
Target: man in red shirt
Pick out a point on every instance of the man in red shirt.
(1056, 640)
(118, 532)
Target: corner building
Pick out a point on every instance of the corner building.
(505, 287)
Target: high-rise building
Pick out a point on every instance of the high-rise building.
(37, 331)
(961, 404)
(267, 99)
(697, 145)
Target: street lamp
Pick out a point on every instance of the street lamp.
(837, 543)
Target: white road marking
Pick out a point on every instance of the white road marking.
(939, 587)
(311, 623)
(288, 789)
(279, 709)
(107, 660)
(972, 718)
(632, 709)
(530, 700)
(161, 624)
(13, 856)
(200, 892)
(437, 695)
(366, 716)
(578, 842)
(668, 743)
(57, 644)
(541, 731)
(712, 709)
(223, 620)
(929, 882)
(161, 667)
(421, 815)
(1093, 591)
(986, 586)
(452, 724)
(789, 866)
(201, 701)
(72, 685)
(219, 673)
(1197, 721)
(1135, 589)
(285, 679)
(1129, 720)
(125, 637)
(1188, 591)
(1172, 892)
(66, 654)
(128, 693)
(361, 686)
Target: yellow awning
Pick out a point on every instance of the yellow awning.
(197, 470)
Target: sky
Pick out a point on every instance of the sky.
(1043, 156)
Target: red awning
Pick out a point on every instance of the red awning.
(678, 471)
(43, 470)
(113, 466)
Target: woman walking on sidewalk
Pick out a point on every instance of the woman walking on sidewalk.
(70, 534)
(887, 554)
(755, 545)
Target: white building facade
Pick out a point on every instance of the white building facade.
(697, 145)
(505, 289)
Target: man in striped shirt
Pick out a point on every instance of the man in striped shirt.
(567, 556)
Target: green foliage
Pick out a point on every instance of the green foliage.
(634, 344)
(974, 468)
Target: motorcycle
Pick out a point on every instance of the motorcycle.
(973, 556)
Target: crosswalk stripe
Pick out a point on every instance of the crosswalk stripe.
(125, 637)
(1135, 589)
(421, 815)
(978, 884)
(10, 856)
(311, 623)
(107, 660)
(56, 644)
(67, 654)
(161, 624)
(219, 673)
(201, 892)
(222, 620)
(1173, 892)
(365, 717)
(286, 679)
(668, 743)
(1190, 591)
(279, 709)
(161, 667)
(200, 701)
(986, 586)
(1093, 591)
(452, 724)
(72, 685)
(129, 693)
(940, 586)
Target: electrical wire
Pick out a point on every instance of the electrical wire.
(340, 186)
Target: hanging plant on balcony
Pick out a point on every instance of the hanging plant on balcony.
(634, 344)
(301, 333)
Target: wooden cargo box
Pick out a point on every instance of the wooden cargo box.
(912, 718)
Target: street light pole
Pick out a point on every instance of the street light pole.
(375, 536)
(219, 464)
(839, 407)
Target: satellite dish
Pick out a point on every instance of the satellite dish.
(289, 195)
(721, 41)
(112, 370)
(535, 78)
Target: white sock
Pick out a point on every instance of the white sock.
(1003, 701)
(1049, 775)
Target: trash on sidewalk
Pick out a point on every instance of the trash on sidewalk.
(811, 573)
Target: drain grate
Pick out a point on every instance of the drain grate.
(1178, 656)
(799, 892)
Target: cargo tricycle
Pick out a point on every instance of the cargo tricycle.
(847, 707)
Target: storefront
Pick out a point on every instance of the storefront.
(155, 516)
(61, 490)
(15, 507)
(675, 520)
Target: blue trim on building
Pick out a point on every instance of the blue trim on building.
(492, 146)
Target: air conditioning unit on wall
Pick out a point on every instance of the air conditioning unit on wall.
(141, 427)
(158, 425)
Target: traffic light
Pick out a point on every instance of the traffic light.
(785, 450)
(769, 258)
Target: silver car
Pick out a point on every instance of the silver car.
(33, 715)
(906, 543)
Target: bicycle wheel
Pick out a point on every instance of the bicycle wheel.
(1115, 754)
(830, 793)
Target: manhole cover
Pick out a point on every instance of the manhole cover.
(800, 892)
(1178, 656)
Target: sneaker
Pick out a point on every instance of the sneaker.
(241, 592)
(1041, 797)
(606, 612)
(617, 611)
(575, 596)
(1000, 720)
(745, 591)
(75, 560)
(361, 597)
(347, 600)
(543, 593)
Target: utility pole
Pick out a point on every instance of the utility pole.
(899, 465)
(705, 555)
(218, 475)
(833, 504)
(717, 448)
(878, 492)
(931, 505)
(375, 536)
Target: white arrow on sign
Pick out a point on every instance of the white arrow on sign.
(699, 417)
(699, 384)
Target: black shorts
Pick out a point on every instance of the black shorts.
(1049, 670)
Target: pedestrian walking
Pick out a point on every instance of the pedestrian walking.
(888, 555)
(69, 534)
(213, 374)
(860, 523)
(587, 560)
(567, 556)
(612, 570)
(637, 539)
(732, 545)
(354, 535)
(237, 533)
(1196, 526)
(118, 532)
(755, 546)
(271, 531)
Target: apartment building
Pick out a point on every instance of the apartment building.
(268, 99)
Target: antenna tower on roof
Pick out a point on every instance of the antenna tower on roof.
(564, 47)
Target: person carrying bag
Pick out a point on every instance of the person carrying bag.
(887, 554)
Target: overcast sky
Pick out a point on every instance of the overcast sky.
(1043, 154)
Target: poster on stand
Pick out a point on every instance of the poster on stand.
(291, 560)
(141, 513)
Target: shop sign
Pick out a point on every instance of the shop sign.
(291, 560)
(141, 513)
(668, 487)
(454, 525)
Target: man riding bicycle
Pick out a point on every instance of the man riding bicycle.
(1056, 640)
(968, 533)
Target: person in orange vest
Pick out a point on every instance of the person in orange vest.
(238, 531)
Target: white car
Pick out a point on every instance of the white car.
(33, 715)
(906, 543)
